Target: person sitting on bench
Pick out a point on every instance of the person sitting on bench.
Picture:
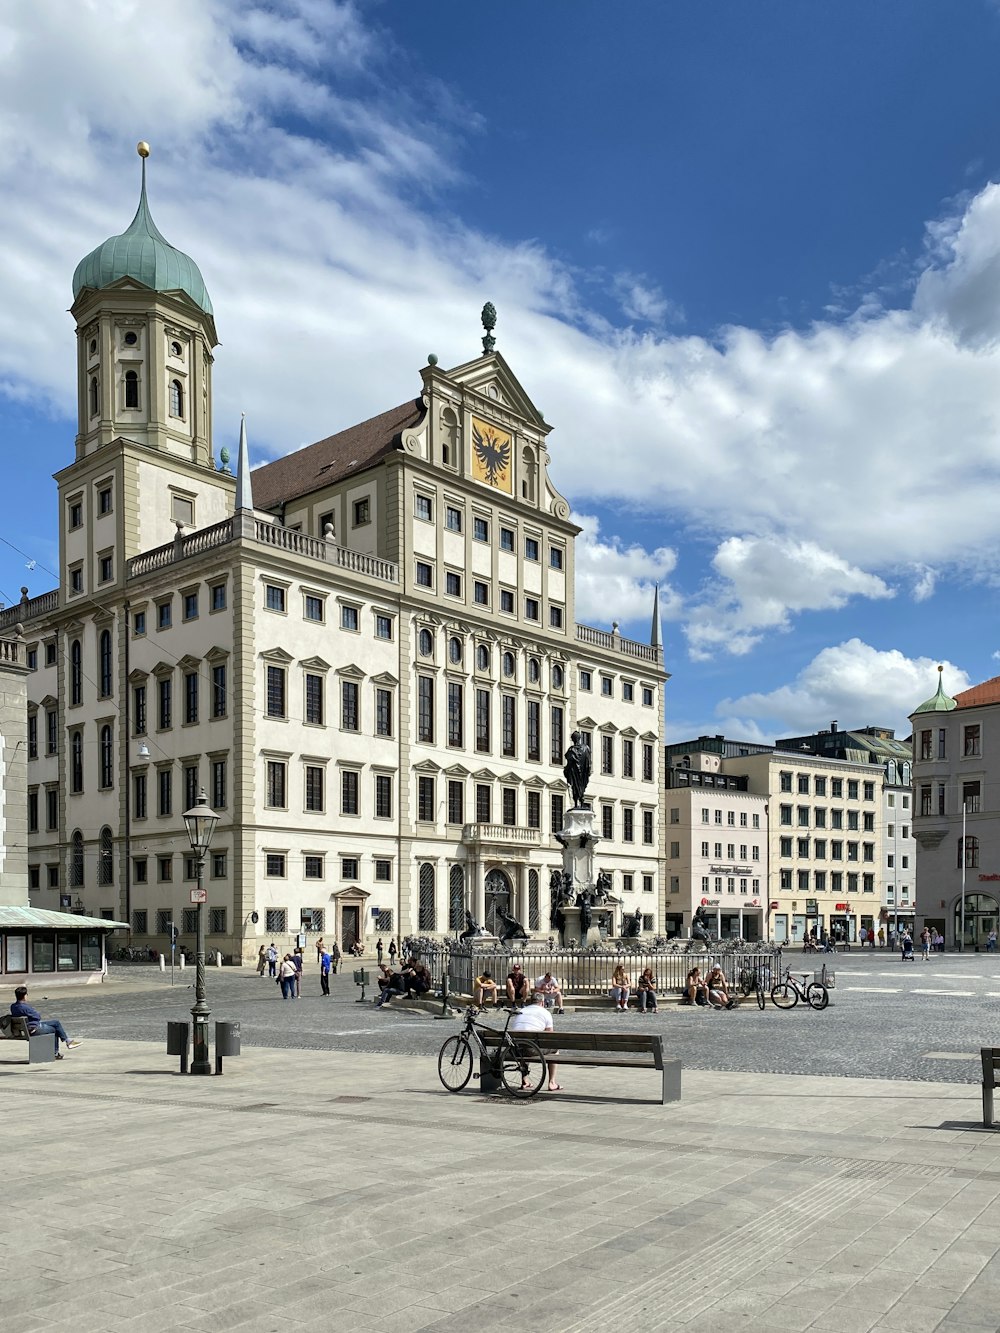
(548, 988)
(536, 1018)
(36, 1023)
(482, 986)
(517, 986)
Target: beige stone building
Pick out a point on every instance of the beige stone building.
(366, 654)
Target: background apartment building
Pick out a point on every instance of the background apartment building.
(367, 654)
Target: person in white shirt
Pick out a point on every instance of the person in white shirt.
(548, 986)
(536, 1018)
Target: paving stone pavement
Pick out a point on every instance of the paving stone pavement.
(340, 1190)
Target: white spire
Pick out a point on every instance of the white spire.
(244, 487)
(656, 632)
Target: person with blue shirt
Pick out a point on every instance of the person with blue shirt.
(36, 1023)
(325, 963)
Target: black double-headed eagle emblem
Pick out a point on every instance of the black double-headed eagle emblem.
(493, 453)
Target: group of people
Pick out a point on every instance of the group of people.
(645, 990)
(712, 990)
(409, 979)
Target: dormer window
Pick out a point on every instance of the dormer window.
(176, 398)
(131, 389)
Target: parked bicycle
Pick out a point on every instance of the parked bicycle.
(788, 992)
(518, 1060)
(755, 981)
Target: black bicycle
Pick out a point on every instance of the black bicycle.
(788, 992)
(517, 1061)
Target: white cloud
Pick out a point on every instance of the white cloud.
(642, 301)
(852, 682)
(864, 445)
(616, 582)
(764, 581)
(926, 582)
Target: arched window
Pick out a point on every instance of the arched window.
(483, 657)
(449, 437)
(76, 672)
(104, 662)
(425, 643)
(456, 898)
(105, 858)
(131, 388)
(971, 852)
(176, 398)
(558, 676)
(528, 476)
(76, 761)
(94, 397)
(455, 650)
(107, 758)
(427, 915)
(508, 664)
(534, 670)
(76, 860)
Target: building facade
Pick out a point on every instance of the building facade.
(956, 780)
(366, 654)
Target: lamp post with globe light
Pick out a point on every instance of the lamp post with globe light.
(200, 822)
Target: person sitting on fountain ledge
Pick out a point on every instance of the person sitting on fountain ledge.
(517, 986)
(548, 988)
(482, 986)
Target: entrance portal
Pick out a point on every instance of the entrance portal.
(350, 926)
(499, 895)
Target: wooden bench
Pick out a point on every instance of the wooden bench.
(598, 1049)
(41, 1045)
(990, 1056)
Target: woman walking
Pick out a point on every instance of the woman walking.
(287, 974)
(261, 960)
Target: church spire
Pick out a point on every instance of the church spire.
(244, 486)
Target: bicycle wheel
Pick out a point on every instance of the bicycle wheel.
(784, 995)
(522, 1067)
(455, 1063)
(761, 996)
(817, 995)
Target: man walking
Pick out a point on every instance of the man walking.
(36, 1023)
(272, 960)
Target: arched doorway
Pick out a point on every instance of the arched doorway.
(499, 895)
(982, 913)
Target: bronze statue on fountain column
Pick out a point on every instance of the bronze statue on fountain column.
(577, 770)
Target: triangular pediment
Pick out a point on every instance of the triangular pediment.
(216, 655)
(510, 778)
(491, 379)
(629, 733)
(649, 736)
(50, 701)
(351, 671)
(188, 663)
(586, 723)
(534, 782)
(484, 775)
(315, 664)
(427, 766)
(385, 678)
(456, 771)
(277, 655)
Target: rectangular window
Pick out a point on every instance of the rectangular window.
(423, 507)
(32, 735)
(349, 792)
(555, 617)
(276, 790)
(971, 741)
(190, 602)
(482, 721)
(607, 754)
(941, 745)
(506, 601)
(316, 788)
(531, 608)
(349, 618)
(852, 789)
(480, 530)
(383, 712)
(628, 828)
(784, 781)
(534, 729)
(837, 788)
(383, 628)
(555, 557)
(274, 865)
(383, 875)
(139, 796)
(107, 570)
(784, 846)
(534, 809)
(425, 800)
(218, 691)
(484, 803)
(191, 785)
(138, 713)
(191, 696)
(314, 699)
(165, 699)
(819, 786)
(557, 734)
(452, 518)
(349, 867)
(274, 597)
(456, 802)
(647, 827)
(218, 595)
(628, 759)
(455, 708)
(219, 792)
(51, 808)
(647, 762)
(313, 608)
(349, 719)
(275, 920)
(165, 874)
(165, 791)
(383, 796)
(531, 548)
(508, 705)
(425, 709)
(802, 816)
(647, 697)
(481, 593)
(509, 802)
(275, 691)
(802, 848)
(607, 821)
(557, 813)
(424, 575)
(506, 539)
(314, 868)
(785, 815)
(32, 811)
(362, 511)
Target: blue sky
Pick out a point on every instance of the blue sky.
(746, 259)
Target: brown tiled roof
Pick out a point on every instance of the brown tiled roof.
(987, 693)
(352, 450)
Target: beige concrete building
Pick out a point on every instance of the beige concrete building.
(369, 659)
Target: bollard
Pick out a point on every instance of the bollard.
(163, 963)
(445, 1006)
(218, 958)
(182, 962)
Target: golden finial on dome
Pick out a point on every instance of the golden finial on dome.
(142, 148)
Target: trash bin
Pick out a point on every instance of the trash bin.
(227, 1039)
(179, 1041)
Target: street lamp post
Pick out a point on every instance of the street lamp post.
(200, 822)
(965, 857)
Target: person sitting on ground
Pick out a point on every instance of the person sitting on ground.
(646, 992)
(548, 987)
(416, 979)
(390, 982)
(36, 1023)
(536, 1018)
(357, 948)
(718, 989)
(482, 986)
(517, 986)
(696, 992)
(621, 984)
